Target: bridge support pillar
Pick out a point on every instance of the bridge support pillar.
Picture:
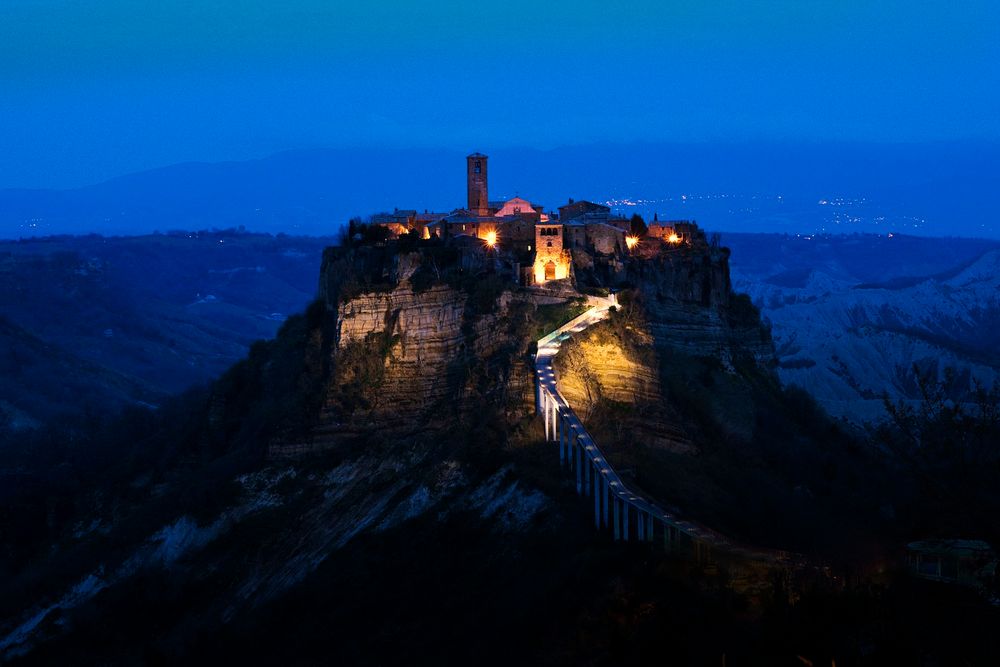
(562, 454)
(670, 537)
(571, 442)
(624, 520)
(550, 435)
(606, 490)
(545, 414)
(567, 447)
(649, 527)
(578, 462)
(617, 526)
(597, 502)
(640, 526)
(553, 413)
(561, 421)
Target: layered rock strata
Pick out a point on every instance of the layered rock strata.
(406, 360)
(681, 308)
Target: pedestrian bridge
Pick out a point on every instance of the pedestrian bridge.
(623, 511)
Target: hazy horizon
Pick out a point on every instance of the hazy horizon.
(990, 147)
(929, 189)
(96, 90)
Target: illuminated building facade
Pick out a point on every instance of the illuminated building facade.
(539, 248)
(552, 260)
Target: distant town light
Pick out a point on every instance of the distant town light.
(673, 238)
(631, 241)
(491, 238)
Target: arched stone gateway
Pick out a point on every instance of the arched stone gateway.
(550, 270)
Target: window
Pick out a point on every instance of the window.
(479, 167)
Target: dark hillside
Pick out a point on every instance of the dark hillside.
(163, 311)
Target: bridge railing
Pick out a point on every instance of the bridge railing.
(598, 305)
(616, 506)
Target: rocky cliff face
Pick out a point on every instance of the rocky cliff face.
(410, 353)
(678, 387)
(681, 310)
(599, 376)
(406, 357)
(686, 300)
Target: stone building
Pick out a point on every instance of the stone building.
(605, 238)
(476, 184)
(672, 231)
(552, 260)
(588, 213)
(518, 229)
(593, 236)
(520, 207)
(575, 209)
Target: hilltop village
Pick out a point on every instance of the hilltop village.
(583, 242)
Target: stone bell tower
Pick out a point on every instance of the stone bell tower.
(476, 184)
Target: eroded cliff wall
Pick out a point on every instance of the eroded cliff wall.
(633, 373)
(408, 357)
(684, 299)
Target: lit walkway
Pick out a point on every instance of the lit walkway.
(625, 512)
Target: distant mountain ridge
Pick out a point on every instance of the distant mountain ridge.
(92, 323)
(942, 188)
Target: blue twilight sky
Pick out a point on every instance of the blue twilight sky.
(90, 89)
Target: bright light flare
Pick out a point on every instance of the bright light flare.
(631, 241)
(673, 238)
(491, 238)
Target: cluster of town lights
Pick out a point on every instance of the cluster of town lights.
(632, 240)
